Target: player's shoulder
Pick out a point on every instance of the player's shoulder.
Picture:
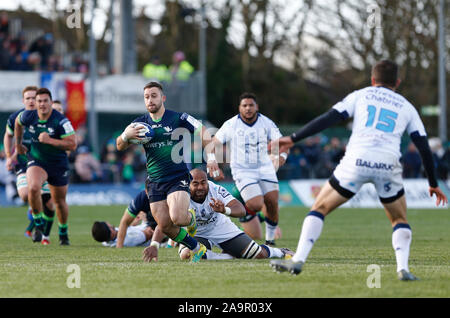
(231, 121)
(265, 120)
(60, 117)
(141, 199)
(30, 114)
(16, 113)
(358, 93)
(217, 190)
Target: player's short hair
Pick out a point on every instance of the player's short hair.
(247, 95)
(101, 232)
(154, 84)
(28, 89)
(43, 91)
(57, 101)
(385, 72)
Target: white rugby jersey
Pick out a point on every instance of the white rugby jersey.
(248, 143)
(380, 117)
(134, 237)
(207, 219)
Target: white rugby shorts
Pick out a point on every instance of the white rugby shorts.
(253, 183)
(382, 170)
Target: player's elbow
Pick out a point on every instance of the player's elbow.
(72, 145)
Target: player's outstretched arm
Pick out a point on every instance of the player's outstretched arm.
(315, 126)
(233, 209)
(212, 167)
(125, 222)
(440, 196)
(150, 253)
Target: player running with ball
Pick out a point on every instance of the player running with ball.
(168, 178)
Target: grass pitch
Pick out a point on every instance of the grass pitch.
(352, 239)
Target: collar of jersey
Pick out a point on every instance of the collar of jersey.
(158, 120)
(250, 125)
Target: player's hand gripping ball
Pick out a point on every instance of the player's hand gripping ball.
(146, 133)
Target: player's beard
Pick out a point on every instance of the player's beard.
(156, 108)
(199, 198)
(250, 118)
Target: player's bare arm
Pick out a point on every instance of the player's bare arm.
(122, 142)
(68, 143)
(125, 222)
(8, 146)
(212, 165)
(234, 208)
(440, 196)
(151, 252)
(18, 133)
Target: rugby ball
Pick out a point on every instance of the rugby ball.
(146, 133)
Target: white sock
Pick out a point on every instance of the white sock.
(217, 256)
(270, 231)
(311, 229)
(274, 252)
(401, 240)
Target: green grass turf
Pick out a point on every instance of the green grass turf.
(351, 240)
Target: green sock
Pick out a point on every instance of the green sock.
(184, 238)
(48, 221)
(62, 229)
(30, 226)
(38, 221)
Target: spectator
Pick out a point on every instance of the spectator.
(57, 105)
(412, 163)
(44, 46)
(87, 167)
(297, 163)
(181, 69)
(154, 70)
(4, 23)
(440, 157)
(311, 150)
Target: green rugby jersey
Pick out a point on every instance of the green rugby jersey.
(164, 151)
(57, 126)
(26, 141)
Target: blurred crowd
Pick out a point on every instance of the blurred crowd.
(314, 158)
(18, 54)
(111, 166)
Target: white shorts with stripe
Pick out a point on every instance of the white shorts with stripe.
(255, 182)
(382, 170)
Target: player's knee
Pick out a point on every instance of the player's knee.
(60, 204)
(34, 189)
(24, 196)
(322, 207)
(255, 206)
(252, 251)
(179, 220)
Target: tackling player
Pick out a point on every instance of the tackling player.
(253, 170)
(51, 136)
(18, 163)
(168, 180)
(213, 206)
(380, 117)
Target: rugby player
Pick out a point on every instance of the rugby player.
(380, 117)
(52, 135)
